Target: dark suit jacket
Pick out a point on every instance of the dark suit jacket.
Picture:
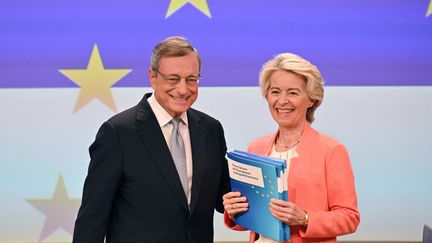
(133, 193)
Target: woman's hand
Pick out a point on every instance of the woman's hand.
(287, 212)
(234, 203)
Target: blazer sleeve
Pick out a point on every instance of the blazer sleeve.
(225, 185)
(101, 183)
(343, 216)
(231, 224)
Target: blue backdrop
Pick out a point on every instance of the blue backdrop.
(376, 59)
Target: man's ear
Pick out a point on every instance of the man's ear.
(152, 77)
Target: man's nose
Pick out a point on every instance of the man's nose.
(182, 86)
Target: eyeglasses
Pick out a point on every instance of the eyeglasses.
(174, 79)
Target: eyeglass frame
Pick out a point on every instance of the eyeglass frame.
(175, 79)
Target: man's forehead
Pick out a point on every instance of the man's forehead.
(181, 63)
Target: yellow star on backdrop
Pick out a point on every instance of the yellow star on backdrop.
(177, 4)
(60, 210)
(95, 81)
(429, 11)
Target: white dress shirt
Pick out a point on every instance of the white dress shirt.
(164, 120)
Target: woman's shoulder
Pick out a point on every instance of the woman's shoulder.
(324, 139)
(262, 139)
(260, 145)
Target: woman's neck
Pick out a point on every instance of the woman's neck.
(288, 137)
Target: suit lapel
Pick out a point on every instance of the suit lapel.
(198, 155)
(152, 137)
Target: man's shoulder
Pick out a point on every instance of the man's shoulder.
(124, 114)
(132, 113)
(124, 117)
(201, 116)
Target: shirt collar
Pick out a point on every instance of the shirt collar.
(162, 115)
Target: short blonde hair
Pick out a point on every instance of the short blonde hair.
(289, 62)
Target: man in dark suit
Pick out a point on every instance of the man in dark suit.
(136, 189)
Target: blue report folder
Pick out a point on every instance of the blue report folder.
(259, 178)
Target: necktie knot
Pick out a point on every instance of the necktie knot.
(175, 122)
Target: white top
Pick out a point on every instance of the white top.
(286, 155)
(164, 120)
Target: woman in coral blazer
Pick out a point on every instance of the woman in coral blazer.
(322, 198)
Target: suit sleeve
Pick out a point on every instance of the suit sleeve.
(343, 216)
(102, 181)
(225, 186)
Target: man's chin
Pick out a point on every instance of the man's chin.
(180, 109)
(181, 104)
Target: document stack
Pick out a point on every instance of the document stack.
(259, 178)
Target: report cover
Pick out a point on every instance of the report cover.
(259, 178)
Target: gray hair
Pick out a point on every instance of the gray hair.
(175, 46)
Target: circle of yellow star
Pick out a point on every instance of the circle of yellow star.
(429, 11)
(95, 81)
(60, 210)
(177, 4)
